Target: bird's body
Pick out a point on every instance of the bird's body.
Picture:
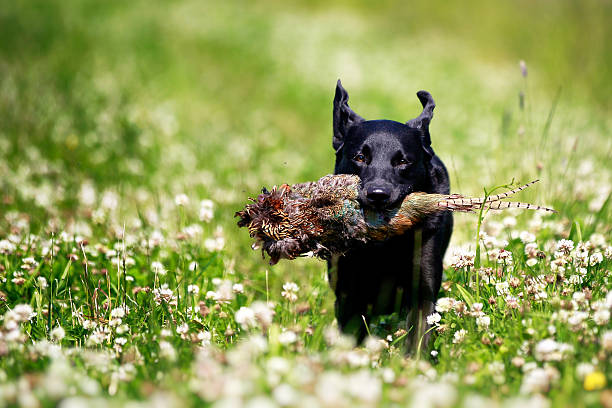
(324, 217)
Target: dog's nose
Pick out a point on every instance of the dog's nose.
(378, 194)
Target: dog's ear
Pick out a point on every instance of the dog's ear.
(344, 117)
(421, 122)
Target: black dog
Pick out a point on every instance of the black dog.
(392, 159)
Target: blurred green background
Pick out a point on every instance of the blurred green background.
(217, 99)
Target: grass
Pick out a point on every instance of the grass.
(109, 112)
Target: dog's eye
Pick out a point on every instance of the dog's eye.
(359, 157)
(403, 162)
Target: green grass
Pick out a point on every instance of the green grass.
(110, 110)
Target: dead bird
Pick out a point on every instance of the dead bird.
(325, 217)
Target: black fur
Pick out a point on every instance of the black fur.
(392, 159)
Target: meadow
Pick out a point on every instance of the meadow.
(130, 133)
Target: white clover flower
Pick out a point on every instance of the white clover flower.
(550, 350)
(58, 333)
(477, 307)
(121, 341)
(290, 290)
(509, 222)
(536, 380)
(166, 350)
(576, 319)
(527, 237)
(182, 328)
(462, 259)
(531, 262)
(440, 395)
(531, 249)
(212, 295)
(504, 257)
(193, 290)
(42, 282)
(483, 322)
(364, 387)
(565, 246)
(606, 340)
(156, 239)
(87, 194)
(158, 268)
(601, 316)
(433, 319)
(193, 231)
(388, 375)
(20, 313)
(285, 395)
(585, 246)
(224, 292)
(512, 302)
(29, 263)
(502, 288)
(206, 210)
(584, 369)
(117, 312)
(496, 367)
(99, 336)
(110, 200)
(245, 317)
(542, 295)
(545, 347)
(607, 252)
(444, 304)
(7, 247)
(205, 337)
(181, 200)
(193, 266)
(581, 258)
(263, 313)
(459, 336)
(598, 240)
(329, 388)
(375, 345)
(287, 337)
(238, 288)
(578, 297)
(89, 324)
(165, 295)
(214, 244)
(595, 259)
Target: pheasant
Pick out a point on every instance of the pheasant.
(325, 218)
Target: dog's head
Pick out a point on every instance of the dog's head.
(391, 158)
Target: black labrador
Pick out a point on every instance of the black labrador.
(402, 274)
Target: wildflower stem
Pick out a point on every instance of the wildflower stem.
(365, 323)
(482, 213)
(50, 307)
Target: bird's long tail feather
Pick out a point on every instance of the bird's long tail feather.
(457, 202)
(501, 205)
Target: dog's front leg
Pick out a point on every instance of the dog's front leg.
(427, 277)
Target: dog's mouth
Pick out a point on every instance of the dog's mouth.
(381, 207)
